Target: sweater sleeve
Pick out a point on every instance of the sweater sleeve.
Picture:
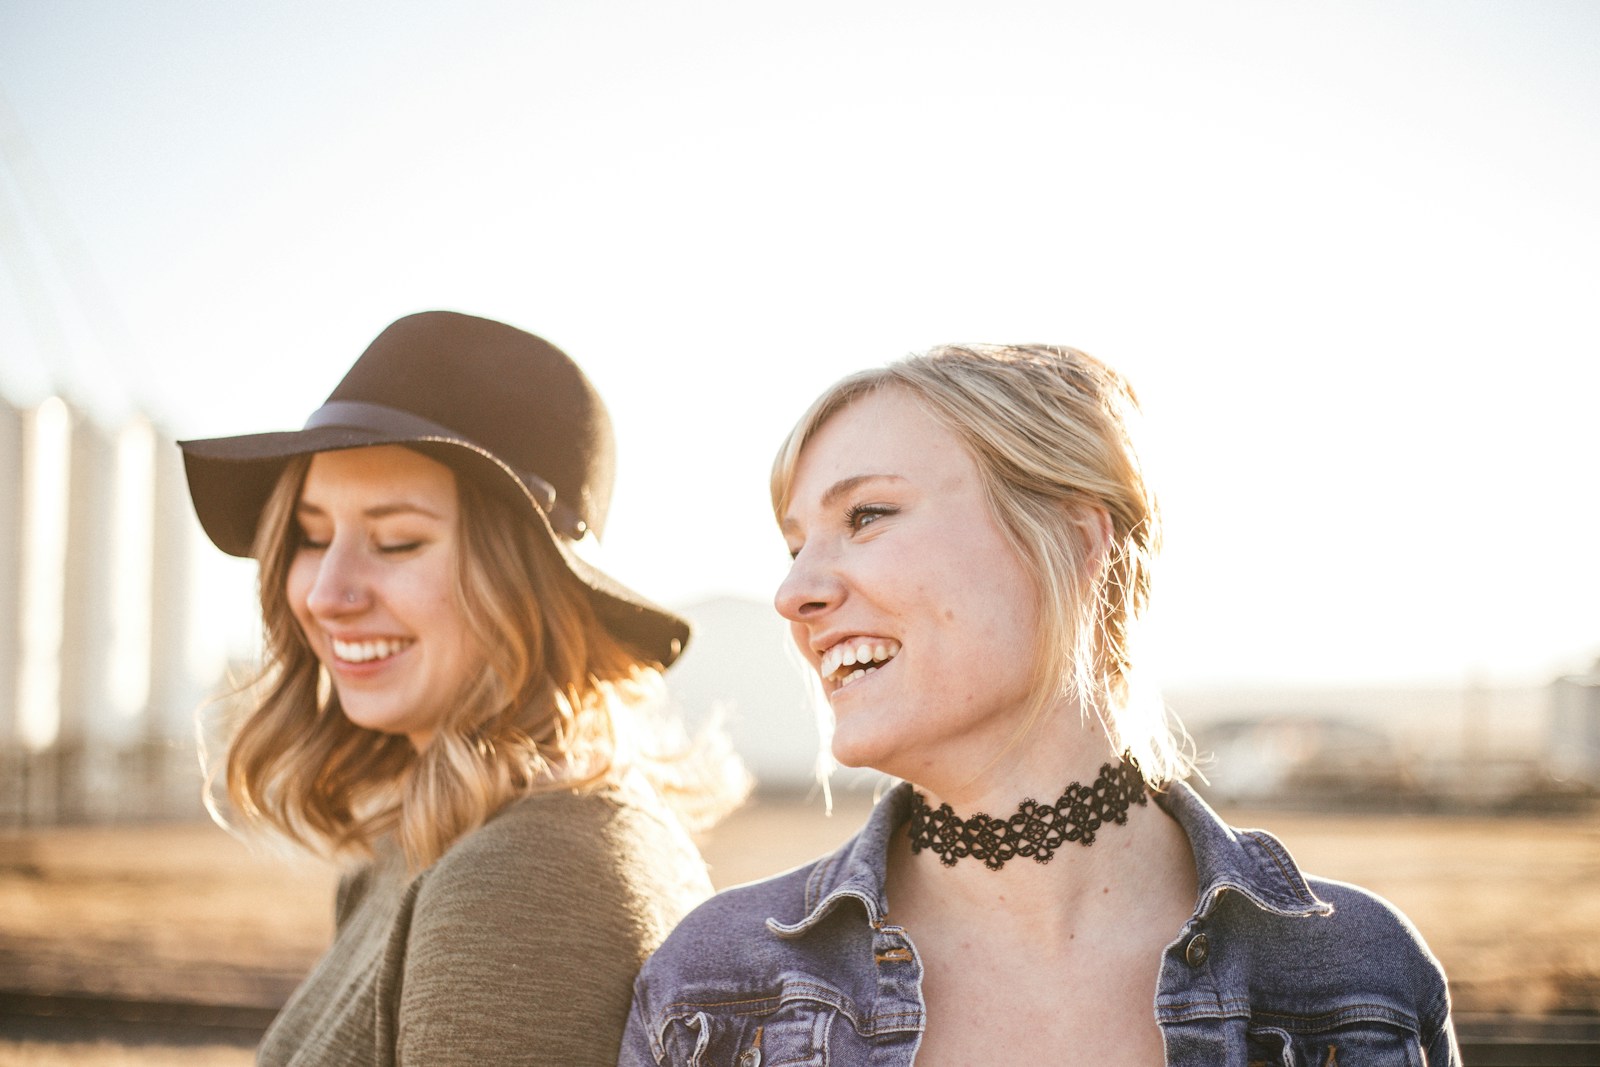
(525, 939)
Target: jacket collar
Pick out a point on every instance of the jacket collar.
(1252, 863)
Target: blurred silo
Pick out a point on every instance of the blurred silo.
(175, 687)
(38, 576)
(11, 528)
(1574, 751)
(88, 735)
(99, 676)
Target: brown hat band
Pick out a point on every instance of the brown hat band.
(379, 418)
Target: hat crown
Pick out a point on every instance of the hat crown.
(509, 392)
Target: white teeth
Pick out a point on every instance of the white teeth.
(853, 675)
(367, 651)
(856, 653)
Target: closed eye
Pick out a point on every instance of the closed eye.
(401, 549)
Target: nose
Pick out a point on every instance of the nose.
(339, 586)
(811, 589)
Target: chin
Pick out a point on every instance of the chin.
(376, 722)
(854, 752)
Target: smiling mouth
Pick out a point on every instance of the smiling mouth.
(368, 651)
(852, 660)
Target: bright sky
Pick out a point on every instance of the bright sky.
(1349, 254)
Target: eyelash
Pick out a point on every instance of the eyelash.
(307, 543)
(854, 516)
(855, 513)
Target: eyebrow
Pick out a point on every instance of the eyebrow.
(377, 511)
(842, 488)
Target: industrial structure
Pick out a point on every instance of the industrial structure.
(1574, 735)
(99, 678)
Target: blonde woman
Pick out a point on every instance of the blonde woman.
(448, 704)
(973, 538)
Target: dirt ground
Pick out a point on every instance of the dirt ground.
(185, 912)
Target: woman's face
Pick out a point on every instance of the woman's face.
(905, 595)
(372, 585)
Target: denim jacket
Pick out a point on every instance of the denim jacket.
(1272, 968)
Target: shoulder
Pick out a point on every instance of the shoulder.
(786, 965)
(782, 897)
(591, 830)
(599, 852)
(728, 942)
(1369, 927)
(1362, 951)
(524, 938)
(1294, 938)
(724, 970)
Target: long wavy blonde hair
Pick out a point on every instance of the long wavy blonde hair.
(1053, 433)
(559, 704)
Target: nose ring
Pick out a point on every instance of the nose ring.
(349, 596)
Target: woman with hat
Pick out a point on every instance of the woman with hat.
(451, 701)
(973, 536)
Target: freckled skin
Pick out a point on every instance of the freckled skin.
(930, 569)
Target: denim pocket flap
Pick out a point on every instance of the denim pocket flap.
(1352, 1045)
(769, 1032)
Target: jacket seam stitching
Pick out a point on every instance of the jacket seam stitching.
(1268, 844)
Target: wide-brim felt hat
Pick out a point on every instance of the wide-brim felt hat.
(494, 403)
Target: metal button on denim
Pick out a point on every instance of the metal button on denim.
(1197, 951)
(750, 1057)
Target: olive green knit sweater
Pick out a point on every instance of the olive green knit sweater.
(519, 946)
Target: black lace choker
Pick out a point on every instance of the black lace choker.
(1036, 830)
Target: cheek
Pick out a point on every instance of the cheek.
(426, 593)
(297, 587)
(434, 600)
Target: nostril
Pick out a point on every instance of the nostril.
(806, 592)
(334, 596)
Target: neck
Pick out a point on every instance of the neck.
(994, 774)
(1080, 893)
(1037, 829)
(1078, 883)
(1054, 898)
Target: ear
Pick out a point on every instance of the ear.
(1093, 523)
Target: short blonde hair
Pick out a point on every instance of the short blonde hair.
(1052, 431)
(556, 706)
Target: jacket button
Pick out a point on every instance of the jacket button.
(1197, 951)
(750, 1057)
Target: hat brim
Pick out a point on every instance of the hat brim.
(231, 479)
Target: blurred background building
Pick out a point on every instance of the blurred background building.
(1574, 735)
(99, 684)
